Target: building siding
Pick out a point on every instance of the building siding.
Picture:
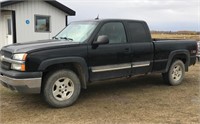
(27, 11)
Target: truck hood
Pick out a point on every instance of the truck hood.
(36, 45)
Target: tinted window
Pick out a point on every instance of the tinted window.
(42, 24)
(115, 32)
(137, 32)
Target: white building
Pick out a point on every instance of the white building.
(29, 20)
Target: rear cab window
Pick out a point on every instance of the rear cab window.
(137, 32)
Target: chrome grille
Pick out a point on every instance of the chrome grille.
(6, 54)
(5, 65)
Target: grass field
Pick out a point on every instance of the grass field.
(176, 36)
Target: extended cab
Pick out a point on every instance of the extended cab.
(89, 51)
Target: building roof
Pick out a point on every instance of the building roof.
(54, 3)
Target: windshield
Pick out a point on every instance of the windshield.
(77, 31)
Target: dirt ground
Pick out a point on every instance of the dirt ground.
(142, 99)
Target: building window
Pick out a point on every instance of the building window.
(42, 23)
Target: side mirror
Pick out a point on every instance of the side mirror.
(103, 39)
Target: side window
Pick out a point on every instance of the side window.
(115, 32)
(137, 32)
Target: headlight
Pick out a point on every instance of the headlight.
(21, 56)
(19, 66)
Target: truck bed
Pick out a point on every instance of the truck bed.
(163, 48)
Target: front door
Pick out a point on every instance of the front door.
(110, 60)
(8, 29)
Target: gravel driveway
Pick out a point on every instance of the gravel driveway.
(142, 99)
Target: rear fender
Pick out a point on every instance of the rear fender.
(178, 52)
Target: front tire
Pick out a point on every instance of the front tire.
(61, 88)
(175, 74)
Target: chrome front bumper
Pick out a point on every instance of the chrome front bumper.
(26, 85)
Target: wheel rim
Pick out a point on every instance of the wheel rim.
(177, 73)
(63, 89)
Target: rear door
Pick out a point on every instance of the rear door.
(142, 47)
(110, 60)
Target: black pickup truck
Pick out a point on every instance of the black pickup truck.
(89, 51)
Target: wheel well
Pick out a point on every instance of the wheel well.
(183, 58)
(75, 67)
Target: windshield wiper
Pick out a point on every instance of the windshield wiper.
(55, 38)
(66, 38)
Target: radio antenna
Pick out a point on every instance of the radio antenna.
(97, 18)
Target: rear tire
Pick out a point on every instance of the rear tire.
(175, 74)
(61, 88)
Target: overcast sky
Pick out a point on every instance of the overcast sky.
(170, 15)
(167, 15)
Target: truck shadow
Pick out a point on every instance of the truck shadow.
(124, 85)
(98, 90)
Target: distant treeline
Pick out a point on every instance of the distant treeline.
(176, 32)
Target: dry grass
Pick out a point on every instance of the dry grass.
(176, 36)
(142, 99)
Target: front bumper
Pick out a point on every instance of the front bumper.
(22, 82)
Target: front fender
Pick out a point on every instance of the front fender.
(49, 62)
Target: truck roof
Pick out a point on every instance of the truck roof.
(103, 20)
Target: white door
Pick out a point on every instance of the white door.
(9, 29)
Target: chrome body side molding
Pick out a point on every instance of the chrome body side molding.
(119, 66)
